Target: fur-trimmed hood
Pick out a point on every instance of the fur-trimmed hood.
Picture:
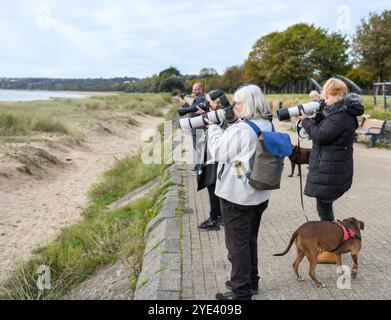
(351, 103)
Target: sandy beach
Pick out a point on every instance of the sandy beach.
(34, 208)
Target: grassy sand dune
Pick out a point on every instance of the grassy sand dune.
(45, 174)
(56, 115)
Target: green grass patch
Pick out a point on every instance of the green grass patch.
(127, 175)
(26, 117)
(81, 249)
(15, 123)
(102, 237)
(378, 145)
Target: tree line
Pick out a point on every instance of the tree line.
(113, 84)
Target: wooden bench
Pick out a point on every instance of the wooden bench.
(373, 128)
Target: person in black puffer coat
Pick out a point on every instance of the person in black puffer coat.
(332, 132)
(207, 174)
(331, 161)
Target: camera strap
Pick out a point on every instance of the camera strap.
(301, 178)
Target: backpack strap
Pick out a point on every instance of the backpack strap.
(256, 129)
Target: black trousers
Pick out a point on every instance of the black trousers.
(241, 226)
(214, 201)
(325, 209)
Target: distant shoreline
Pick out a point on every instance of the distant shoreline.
(17, 95)
(63, 91)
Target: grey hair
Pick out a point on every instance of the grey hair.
(314, 93)
(255, 103)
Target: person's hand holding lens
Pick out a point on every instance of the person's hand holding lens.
(302, 116)
(200, 111)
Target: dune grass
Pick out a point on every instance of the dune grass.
(80, 250)
(14, 124)
(102, 237)
(127, 175)
(28, 117)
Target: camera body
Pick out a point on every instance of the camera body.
(203, 105)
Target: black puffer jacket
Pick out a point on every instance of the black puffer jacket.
(331, 161)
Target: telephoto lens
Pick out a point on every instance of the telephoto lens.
(187, 124)
(184, 111)
(217, 116)
(308, 108)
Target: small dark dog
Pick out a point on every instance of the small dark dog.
(294, 157)
(326, 235)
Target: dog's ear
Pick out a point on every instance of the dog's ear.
(358, 223)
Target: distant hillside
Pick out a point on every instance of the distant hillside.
(113, 84)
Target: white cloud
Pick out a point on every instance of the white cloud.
(138, 38)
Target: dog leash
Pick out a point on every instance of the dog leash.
(301, 179)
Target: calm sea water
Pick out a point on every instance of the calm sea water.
(27, 95)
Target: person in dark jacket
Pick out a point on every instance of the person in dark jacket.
(207, 176)
(199, 97)
(331, 161)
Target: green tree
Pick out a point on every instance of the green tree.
(232, 78)
(208, 72)
(213, 83)
(171, 71)
(372, 45)
(171, 83)
(362, 77)
(299, 52)
(256, 67)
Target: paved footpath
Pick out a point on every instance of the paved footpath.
(205, 264)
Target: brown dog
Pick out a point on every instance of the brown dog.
(327, 236)
(304, 157)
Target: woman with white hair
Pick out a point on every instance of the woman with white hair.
(314, 96)
(242, 206)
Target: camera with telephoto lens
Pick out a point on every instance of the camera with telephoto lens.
(309, 109)
(203, 105)
(217, 116)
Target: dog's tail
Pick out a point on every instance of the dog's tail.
(293, 238)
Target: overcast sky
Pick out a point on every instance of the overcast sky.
(69, 38)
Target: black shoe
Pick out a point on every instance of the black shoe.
(254, 291)
(209, 225)
(230, 296)
(220, 221)
(224, 296)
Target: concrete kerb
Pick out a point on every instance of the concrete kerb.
(160, 277)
